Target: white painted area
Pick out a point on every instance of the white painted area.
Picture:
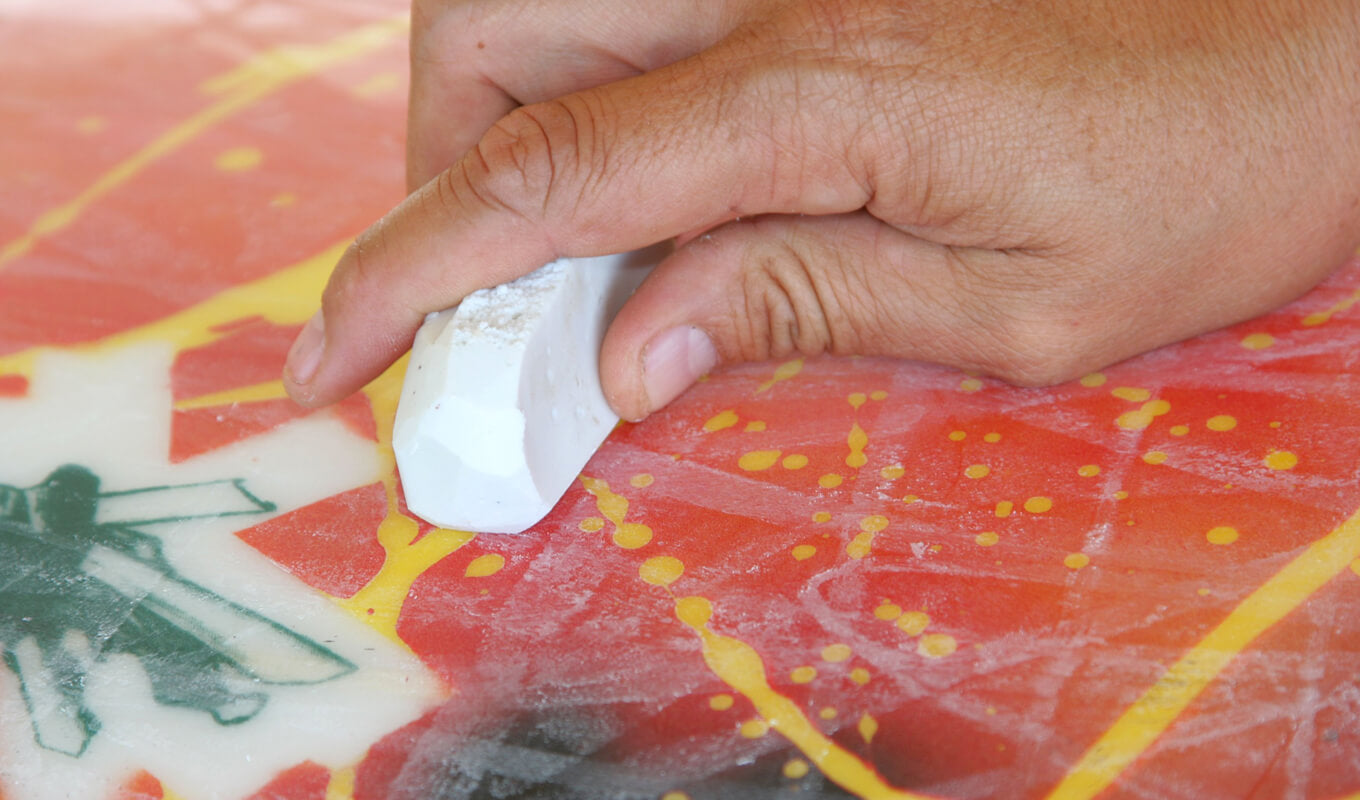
(502, 404)
(111, 413)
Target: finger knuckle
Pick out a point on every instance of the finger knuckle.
(787, 305)
(527, 160)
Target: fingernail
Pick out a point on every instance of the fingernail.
(673, 360)
(305, 355)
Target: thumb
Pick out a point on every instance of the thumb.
(771, 287)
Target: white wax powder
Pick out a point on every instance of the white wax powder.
(501, 315)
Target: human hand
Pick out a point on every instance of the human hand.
(1029, 192)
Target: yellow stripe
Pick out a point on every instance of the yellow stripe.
(269, 390)
(262, 75)
(1160, 705)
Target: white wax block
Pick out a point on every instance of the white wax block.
(502, 403)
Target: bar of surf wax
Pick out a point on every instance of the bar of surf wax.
(502, 404)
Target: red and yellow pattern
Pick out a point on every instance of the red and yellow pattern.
(856, 577)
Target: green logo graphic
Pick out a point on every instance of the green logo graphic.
(80, 583)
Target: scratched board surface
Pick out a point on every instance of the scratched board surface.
(831, 578)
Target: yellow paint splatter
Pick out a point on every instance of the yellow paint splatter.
(857, 399)
(794, 461)
(675, 796)
(720, 702)
(723, 419)
(1093, 380)
(1257, 341)
(857, 441)
(614, 507)
(1143, 417)
(1004, 509)
(341, 784)
(910, 499)
(991, 438)
(1088, 470)
(803, 552)
(867, 727)
(758, 460)
(754, 728)
(878, 394)
(829, 481)
(1038, 505)
(661, 570)
(755, 426)
(860, 675)
(821, 516)
(958, 436)
(1164, 702)
(936, 645)
(641, 480)
(827, 713)
(987, 538)
(1179, 430)
(913, 623)
(1322, 317)
(259, 392)
(1222, 534)
(1133, 394)
(786, 371)
(976, 471)
(803, 674)
(970, 385)
(888, 611)
(892, 472)
(870, 527)
(239, 159)
(263, 74)
(795, 769)
(1221, 423)
(485, 565)
(1281, 460)
(1155, 457)
(836, 653)
(1076, 560)
(592, 524)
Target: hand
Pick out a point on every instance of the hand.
(1030, 192)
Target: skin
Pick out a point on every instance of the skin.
(1028, 190)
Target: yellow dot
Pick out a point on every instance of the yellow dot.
(485, 565)
(888, 612)
(720, 702)
(859, 675)
(1004, 508)
(976, 471)
(1180, 430)
(878, 395)
(754, 728)
(991, 711)
(1076, 560)
(796, 768)
(913, 623)
(1221, 422)
(868, 726)
(721, 420)
(238, 159)
(632, 535)
(1154, 457)
(821, 516)
(970, 385)
(987, 538)
(835, 653)
(1133, 394)
(892, 472)
(641, 480)
(1275, 423)
(911, 498)
(1223, 534)
(1202, 592)
(755, 426)
(873, 524)
(694, 611)
(757, 460)
(1088, 470)
(936, 645)
(591, 524)
(803, 552)
(1281, 459)
(661, 570)
(1038, 505)
(1133, 420)
(675, 796)
(857, 399)
(795, 461)
(827, 713)
(803, 674)
(992, 438)
(957, 436)
(829, 481)
(1121, 495)
(1093, 380)
(1257, 341)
